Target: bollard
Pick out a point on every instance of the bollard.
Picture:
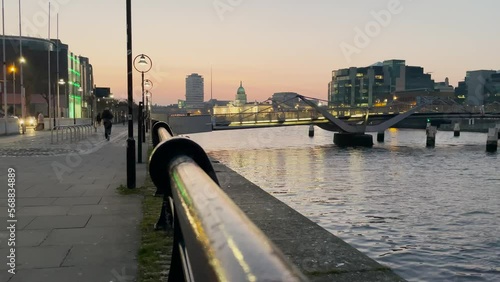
(456, 129)
(311, 130)
(492, 140)
(431, 136)
(381, 136)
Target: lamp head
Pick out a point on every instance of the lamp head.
(142, 60)
(61, 81)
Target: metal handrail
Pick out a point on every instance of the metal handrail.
(213, 239)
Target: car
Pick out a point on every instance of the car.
(29, 121)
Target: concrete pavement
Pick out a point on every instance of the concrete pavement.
(72, 225)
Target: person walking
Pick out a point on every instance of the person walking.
(107, 118)
(98, 119)
(40, 125)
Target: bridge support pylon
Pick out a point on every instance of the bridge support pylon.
(344, 139)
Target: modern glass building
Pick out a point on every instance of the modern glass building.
(75, 71)
(480, 87)
(367, 86)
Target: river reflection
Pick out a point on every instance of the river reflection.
(429, 214)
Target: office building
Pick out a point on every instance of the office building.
(479, 87)
(76, 71)
(194, 91)
(375, 84)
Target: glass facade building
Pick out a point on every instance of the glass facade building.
(368, 86)
(480, 87)
(35, 52)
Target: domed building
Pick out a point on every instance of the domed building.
(241, 96)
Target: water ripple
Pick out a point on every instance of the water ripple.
(429, 214)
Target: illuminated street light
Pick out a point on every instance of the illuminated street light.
(13, 70)
(142, 63)
(60, 82)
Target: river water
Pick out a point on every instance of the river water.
(429, 214)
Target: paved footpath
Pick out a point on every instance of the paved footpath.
(72, 225)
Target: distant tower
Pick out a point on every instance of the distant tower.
(241, 96)
(194, 90)
(446, 82)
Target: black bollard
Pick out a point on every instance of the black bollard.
(381, 137)
(492, 140)
(456, 130)
(311, 130)
(431, 136)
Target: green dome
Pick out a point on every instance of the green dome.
(241, 90)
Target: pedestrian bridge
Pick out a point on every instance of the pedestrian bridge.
(352, 123)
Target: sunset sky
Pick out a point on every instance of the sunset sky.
(272, 46)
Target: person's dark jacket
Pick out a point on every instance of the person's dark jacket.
(107, 115)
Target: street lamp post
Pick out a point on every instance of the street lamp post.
(149, 100)
(80, 90)
(142, 64)
(60, 82)
(146, 112)
(131, 173)
(13, 70)
(54, 108)
(148, 84)
(4, 67)
(94, 108)
(23, 93)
